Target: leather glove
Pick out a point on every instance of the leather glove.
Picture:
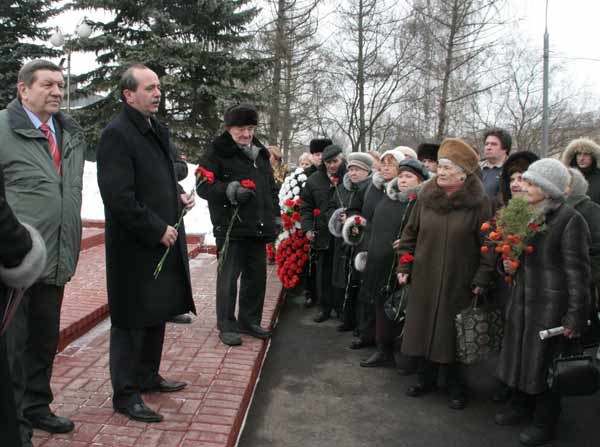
(243, 195)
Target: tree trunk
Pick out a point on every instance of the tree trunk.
(360, 79)
(279, 55)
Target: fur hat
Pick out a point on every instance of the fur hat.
(399, 156)
(580, 146)
(331, 151)
(550, 175)
(360, 160)
(516, 162)
(416, 167)
(241, 115)
(428, 151)
(319, 144)
(579, 185)
(459, 153)
(407, 151)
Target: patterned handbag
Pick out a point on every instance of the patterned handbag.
(479, 332)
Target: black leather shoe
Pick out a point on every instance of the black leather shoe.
(230, 338)
(321, 317)
(379, 358)
(308, 302)
(419, 390)
(513, 415)
(256, 331)
(140, 412)
(458, 402)
(180, 319)
(344, 327)
(166, 386)
(51, 423)
(360, 343)
(537, 435)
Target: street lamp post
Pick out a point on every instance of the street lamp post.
(83, 30)
(545, 119)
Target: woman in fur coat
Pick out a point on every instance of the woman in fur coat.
(551, 288)
(378, 261)
(375, 192)
(344, 204)
(441, 258)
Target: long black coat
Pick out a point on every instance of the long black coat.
(551, 288)
(139, 188)
(257, 217)
(14, 245)
(317, 194)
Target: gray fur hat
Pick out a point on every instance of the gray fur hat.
(579, 185)
(550, 175)
(360, 160)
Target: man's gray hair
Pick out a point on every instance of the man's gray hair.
(27, 72)
(128, 80)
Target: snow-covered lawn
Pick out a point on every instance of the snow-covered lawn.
(197, 221)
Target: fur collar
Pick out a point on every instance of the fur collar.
(349, 186)
(394, 193)
(378, 181)
(472, 195)
(224, 146)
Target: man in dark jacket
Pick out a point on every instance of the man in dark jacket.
(142, 203)
(316, 195)
(584, 154)
(42, 153)
(22, 260)
(245, 214)
(497, 145)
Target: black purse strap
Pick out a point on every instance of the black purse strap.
(408, 210)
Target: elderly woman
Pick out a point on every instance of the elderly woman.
(511, 179)
(388, 171)
(551, 288)
(391, 213)
(443, 235)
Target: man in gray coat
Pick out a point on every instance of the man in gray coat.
(42, 153)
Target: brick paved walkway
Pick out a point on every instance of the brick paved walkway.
(208, 413)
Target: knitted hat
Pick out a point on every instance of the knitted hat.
(399, 156)
(407, 151)
(459, 153)
(241, 115)
(331, 151)
(414, 166)
(319, 144)
(428, 151)
(579, 185)
(550, 175)
(360, 160)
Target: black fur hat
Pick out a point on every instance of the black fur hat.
(241, 115)
(319, 144)
(428, 151)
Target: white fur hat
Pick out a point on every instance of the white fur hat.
(407, 151)
(550, 175)
(398, 156)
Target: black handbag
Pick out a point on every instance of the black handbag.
(574, 374)
(394, 306)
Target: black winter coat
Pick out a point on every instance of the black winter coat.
(551, 288)
(391, 212)
(317, 194)
(139, 188)
(373, 194)
(258, 216)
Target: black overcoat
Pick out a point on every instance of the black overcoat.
(551, 288)
(257, 217)
(139, 188)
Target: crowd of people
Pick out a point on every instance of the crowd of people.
(374, 223)
(420, 216)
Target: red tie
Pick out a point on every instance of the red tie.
(53, 147)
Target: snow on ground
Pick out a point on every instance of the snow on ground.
(197, 221)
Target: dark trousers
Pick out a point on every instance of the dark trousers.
(246, 260)
(9, 427)
(134, 360)
(31, 341)
(325, 289)
(366, 321)
(386, 330)
(350, 306)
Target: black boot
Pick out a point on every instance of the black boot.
(427, 375)
(457, 391)
(502, 393)
(381, 357)
(545, 418)
(518, 409)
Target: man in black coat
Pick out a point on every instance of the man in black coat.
(142, 203)
(584, 154)
(316, 195)
(235, 157)
(22, 260)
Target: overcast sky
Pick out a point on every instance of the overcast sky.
(571, 24)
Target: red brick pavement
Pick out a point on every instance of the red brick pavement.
(208, 413)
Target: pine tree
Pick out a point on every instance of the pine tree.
(196, 47)
(21, 25)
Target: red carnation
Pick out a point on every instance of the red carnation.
(202, 173)
(357, 220)
(533, 226)
(316, 212)
(297, 202)
(248, 184)
(289, 203)
(406, 258)
(335, 180)
(412, 196)
(296, 215)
